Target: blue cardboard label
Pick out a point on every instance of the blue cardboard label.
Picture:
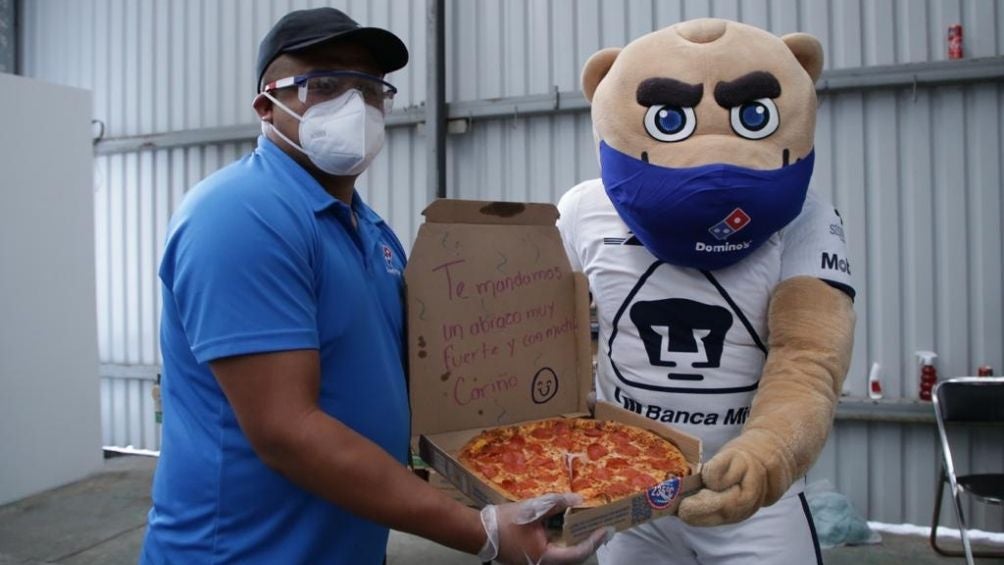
(663, 494)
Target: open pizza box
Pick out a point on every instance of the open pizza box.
(499, 334)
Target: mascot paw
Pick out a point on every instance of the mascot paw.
(733, 490)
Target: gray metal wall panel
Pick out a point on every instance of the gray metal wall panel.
(394, 184)
(167, 65)
(8, 36)
(530, 47)
(522, 158)
(127, 414)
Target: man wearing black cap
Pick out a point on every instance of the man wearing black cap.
(286, 420)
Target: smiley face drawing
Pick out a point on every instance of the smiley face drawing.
(544, 385)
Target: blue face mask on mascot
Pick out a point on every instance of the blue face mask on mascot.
(706, 217)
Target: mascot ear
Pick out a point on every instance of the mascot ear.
(808, 51)
(596, 68)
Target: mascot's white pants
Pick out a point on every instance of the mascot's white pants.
(781, 534)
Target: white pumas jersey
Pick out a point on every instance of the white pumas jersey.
(681, 345)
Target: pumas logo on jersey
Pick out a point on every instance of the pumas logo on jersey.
(682, 335)
(682, 344)
(388, 257)
(735, 221)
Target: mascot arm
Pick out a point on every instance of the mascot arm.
(811, 335)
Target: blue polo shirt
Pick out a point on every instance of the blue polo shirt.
(260, 258)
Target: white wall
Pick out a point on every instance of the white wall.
(49, 413)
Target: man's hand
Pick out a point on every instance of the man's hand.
(516, 532)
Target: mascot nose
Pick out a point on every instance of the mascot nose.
(704, 30)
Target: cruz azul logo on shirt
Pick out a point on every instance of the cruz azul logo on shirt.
(735, 221)
(388, 257)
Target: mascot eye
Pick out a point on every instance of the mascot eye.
(755, 119)
(670, 123)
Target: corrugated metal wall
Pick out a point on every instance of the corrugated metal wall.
(146, 62)
(916, 172)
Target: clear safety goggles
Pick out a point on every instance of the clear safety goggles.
(320, 86)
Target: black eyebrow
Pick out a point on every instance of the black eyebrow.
(758, 84)
(658, 91)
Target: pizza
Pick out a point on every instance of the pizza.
(601, 460)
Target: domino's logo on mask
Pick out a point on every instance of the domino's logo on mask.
(735, 221)
(662, 495)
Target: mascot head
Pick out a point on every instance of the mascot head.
(705, 133)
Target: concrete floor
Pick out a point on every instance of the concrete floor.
(101, 519)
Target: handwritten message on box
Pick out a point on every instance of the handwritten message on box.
(491, 324)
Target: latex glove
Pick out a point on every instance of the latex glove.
(811, 334)
(516, 534)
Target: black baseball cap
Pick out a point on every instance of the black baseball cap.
(304, 28)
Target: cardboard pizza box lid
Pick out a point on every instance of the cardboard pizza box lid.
(498, 323)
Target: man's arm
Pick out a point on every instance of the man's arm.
(274, 396)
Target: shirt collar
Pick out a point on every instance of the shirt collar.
(319, 198)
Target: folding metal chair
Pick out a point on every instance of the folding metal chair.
(967, 401)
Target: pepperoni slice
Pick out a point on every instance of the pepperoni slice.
(581, 483)
(526, 487)
(628, 449)
(628, 472)
(602, 474)
(564, 442)
(548, 478)
(513, 458)
(616, 462)
(642, 480)
(596, 451)
(592, 432)
(621, 439)
(488, 471)
(539, 462)
(517, 441)
(619, 489)
(542, 433)
(535, 448)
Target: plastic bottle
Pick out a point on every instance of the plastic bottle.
(928, 374)
(874, 382)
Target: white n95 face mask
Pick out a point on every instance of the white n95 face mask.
(340, 136)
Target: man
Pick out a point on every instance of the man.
(286, 419)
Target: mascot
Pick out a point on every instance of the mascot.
(721, 282)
